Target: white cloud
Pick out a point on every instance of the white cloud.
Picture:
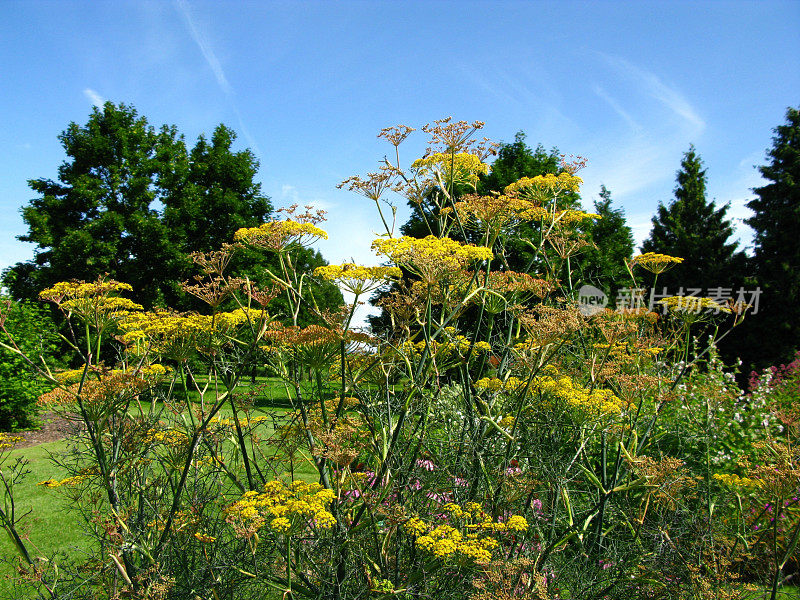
(617, 108)
(639, 165)
(216, 68)
(499, 92)
(291, 195)
(628, 167)
(527, 90)
(652, 85)
(94, 97)
(749, 163)
(640, 226)
(205, 48)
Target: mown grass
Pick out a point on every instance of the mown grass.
(49, 527)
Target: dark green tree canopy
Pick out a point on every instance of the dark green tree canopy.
(517, 160)
(611, 244)
(776, 260)
(133, 203)
(34, 332)
(777, 207)
(214, 194)
(694, 229)
(100, 216)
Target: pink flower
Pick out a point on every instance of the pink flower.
(440, 498)
(425, 464)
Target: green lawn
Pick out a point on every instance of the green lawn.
(268, 391)
(50, 527)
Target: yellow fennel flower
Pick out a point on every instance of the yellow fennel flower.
(299, 504)
(8, 441)
(426, 542)
(517, 523)
(475, 551)
(460, 168)
(549, 184)
(444, 548)
(473, 507)
(278, 235)
(280, 524)
(453, 509)
(431, 258)
(693, 304)
(415, 526)
(324, 519)
(356, 278)
(94, 303)
(493, 384)
(656, 263)
(734, 481)
(65, 290)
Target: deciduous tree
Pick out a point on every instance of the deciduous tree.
(603, 262)
(133, 203)
(100, 215)
(29, 329)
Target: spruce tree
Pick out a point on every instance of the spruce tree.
(775, 329)
(693, 228)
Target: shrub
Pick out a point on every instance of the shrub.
(33, 334)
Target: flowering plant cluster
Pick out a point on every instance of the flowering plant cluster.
(496, 442)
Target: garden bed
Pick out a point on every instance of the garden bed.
(54, 427)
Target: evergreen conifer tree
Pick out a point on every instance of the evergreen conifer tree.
(693, 228)
(775, 329)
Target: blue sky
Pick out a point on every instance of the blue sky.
(307, 86)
